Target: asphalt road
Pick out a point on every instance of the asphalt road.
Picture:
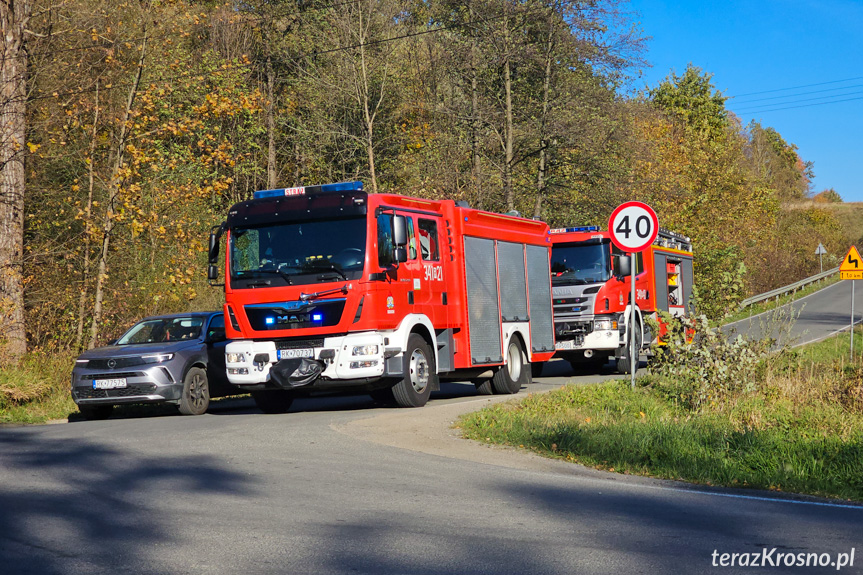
(340, 485)
(816, 316)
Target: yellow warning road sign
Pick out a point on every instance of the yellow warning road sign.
(852, 266)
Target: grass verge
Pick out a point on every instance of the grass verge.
(38, 390)
(799, 428)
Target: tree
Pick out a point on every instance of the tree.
(14, 19)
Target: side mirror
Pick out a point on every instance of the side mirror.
(400, 254)
(212, 272)
(624, 266)
(400, 233)
(215, 235)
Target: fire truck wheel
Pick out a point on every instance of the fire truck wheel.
(414, 388)
(273, 400)
(510, 377)
(483, 387)
(623, 363)
(195, 397)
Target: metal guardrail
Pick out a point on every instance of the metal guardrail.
(787, 289)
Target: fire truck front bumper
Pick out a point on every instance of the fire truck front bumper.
(596, 334)
(291, 364)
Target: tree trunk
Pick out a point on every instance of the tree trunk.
(88, 215)
(542, 175)
(14, 16)
(271, 126)
(508, 128)
(367, 114)
(113, 193)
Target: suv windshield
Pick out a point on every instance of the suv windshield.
(163, 330)
(583, 263)
(298, 252)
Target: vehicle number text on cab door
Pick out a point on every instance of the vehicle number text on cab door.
(434, 273)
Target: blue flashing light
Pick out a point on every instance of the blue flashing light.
(269, 194)
(343, 187)
(303, 190)
(270, 321)
(317, 317)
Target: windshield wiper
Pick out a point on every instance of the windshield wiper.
(279, 273)
(326, 267)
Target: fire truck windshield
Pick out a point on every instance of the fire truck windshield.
(298, 253)
(582, 263)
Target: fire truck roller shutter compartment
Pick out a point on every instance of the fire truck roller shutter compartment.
(541, 320)
(660, 281)
(688, 282)
(513, 284)
(482, 300)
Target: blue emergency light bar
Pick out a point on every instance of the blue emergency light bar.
(578, 229)
(304, 190)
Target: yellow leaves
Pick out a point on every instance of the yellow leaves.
(33, 147)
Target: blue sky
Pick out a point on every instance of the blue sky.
(777, 49)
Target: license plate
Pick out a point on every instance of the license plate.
(292, 353)
(565, 344)
(109, 383)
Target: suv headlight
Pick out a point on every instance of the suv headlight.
(157, 357)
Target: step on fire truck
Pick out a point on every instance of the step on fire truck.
(591, 287)
(330, 288)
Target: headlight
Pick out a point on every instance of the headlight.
(365, 350)
(157, 357)
(234, 357)
(604, 324)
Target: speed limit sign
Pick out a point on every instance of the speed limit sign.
(633, 226)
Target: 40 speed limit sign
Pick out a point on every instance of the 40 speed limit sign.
(633, 226)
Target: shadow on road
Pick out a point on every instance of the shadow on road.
(88, 509)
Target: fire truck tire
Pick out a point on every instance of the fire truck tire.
(414, 389)
(623, 362)
(195, 397)
(94, 412)
(484, 387)
(273, 400)
(516, 372)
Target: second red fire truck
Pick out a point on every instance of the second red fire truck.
(591, 286)
(331, 288)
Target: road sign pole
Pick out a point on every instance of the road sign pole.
(633, 355)
(852, 319)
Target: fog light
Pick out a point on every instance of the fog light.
(362, 364)
(365, 350)
(238, 371)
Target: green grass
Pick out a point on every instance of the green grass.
(38, 390)
(801, 430)
(762, 307)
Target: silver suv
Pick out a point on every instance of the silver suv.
(177, 359)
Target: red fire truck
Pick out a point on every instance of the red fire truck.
(330, 288)
(591, 286)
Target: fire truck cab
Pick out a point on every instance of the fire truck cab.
(591, 287)
(330, 288)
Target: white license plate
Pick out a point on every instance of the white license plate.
(291, 353)
(565, 344)
(109, 383)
